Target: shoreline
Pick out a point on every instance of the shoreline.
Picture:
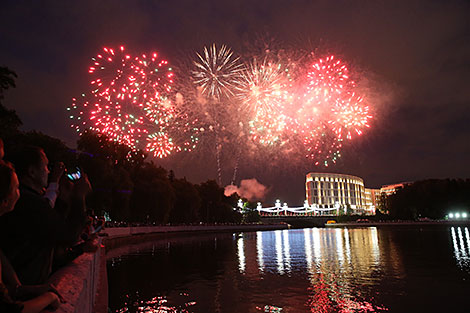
(118, 237)
(399, 223)
(114, 232)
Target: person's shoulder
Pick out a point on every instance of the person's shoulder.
(31, 198)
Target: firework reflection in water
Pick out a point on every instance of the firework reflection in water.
(158, 305)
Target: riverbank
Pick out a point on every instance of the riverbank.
(399, 223)
(125, 236)
(139, 230)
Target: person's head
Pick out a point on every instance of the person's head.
(31, 165)
(9, 188)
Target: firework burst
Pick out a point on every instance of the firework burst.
(217, 72)
(331, 111)
(327, 78)
(350, 116)
(108, 72)
(322, 145)
(134, 104)
(264, 89)
(279, 104)
(264, 93)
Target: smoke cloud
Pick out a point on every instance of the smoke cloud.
(250, 189)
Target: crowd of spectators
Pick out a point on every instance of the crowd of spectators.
(43, 226)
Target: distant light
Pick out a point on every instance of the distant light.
(457, 215)
(464, 215)
(451, 215)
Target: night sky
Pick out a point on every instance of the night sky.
(416, 54)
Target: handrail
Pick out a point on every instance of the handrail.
(83, 283)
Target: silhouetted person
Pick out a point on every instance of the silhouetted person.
(37, 298)
(30, 233)
(72, 198)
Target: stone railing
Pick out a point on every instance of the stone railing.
(130, 231)
(83, 283)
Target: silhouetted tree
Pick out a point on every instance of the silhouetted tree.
(215, 206)
(432, 198)
(153, 196)
(187, 202)
(9, 120)
(7, 79)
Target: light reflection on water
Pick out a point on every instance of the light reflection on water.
(158, 305)
(259, 251)
(308, 270)
(241, 254)
(461, 246)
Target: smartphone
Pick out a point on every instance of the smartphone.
(97, 229)
(75, 175)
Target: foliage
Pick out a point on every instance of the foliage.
(215, 206)
(251, 216)
(187, 202)
(9, 120)
(153, 196)
(7, 79)
(432, 198)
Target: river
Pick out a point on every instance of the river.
(369, 269)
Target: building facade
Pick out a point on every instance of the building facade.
(372, 198)
(338, 191)
(391, 189)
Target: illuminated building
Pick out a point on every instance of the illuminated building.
(339, 192)
(391, 189)
(372, 197)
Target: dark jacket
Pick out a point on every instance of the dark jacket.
(29, 234)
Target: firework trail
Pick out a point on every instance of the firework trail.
(235, 168)
(217, 74)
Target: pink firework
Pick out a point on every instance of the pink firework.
(350, 116)
(322, 145)
(327, 78)
(331, 110)
(109, 71)
(265, 94)
(132, 103)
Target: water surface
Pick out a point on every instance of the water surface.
(389, 269)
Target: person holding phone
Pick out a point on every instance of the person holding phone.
(52, 191)
(72, 191)
(36, 298)
(30, 233)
